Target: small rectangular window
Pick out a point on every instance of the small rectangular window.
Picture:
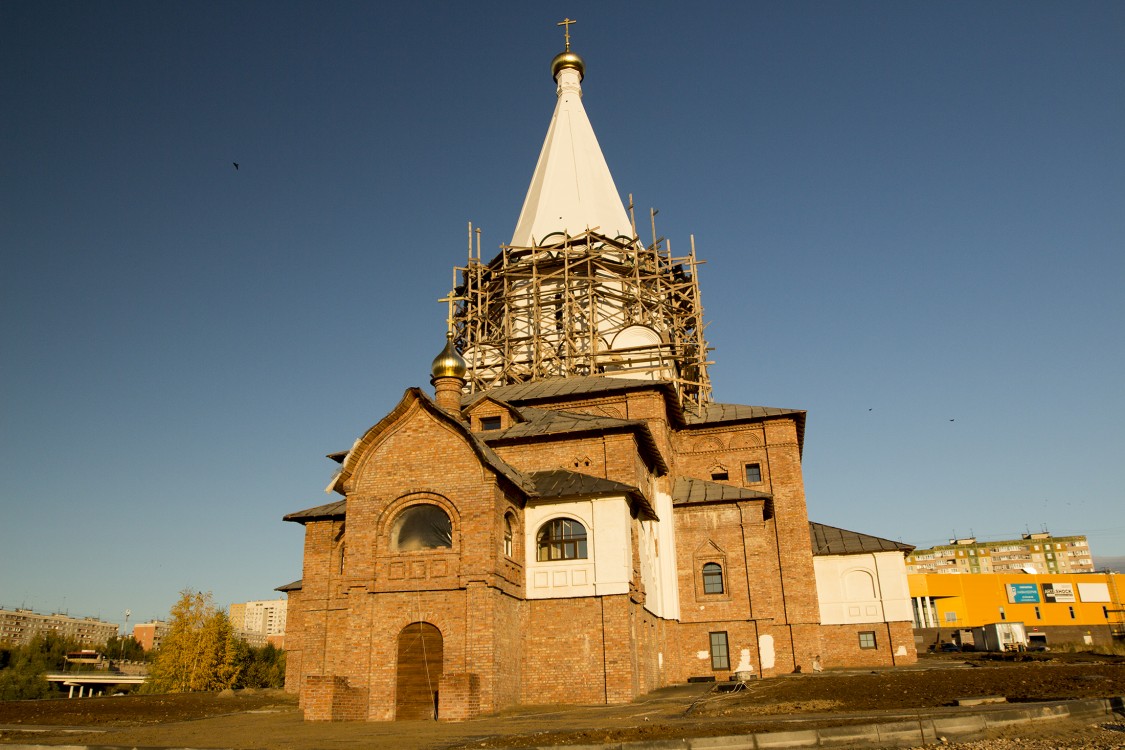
(719, 476)
(1071, 612)
(720, 653)
(490, 423)
(1003, 614)
(867, 639)
(753, 473)
(1037, 615)
(951, 617)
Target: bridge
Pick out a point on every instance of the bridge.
(89, 682)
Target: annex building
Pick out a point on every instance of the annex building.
(570, 517)
(1072, 608)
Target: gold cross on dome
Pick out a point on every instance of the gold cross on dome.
(567, 22)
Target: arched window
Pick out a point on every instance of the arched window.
(508, 534)
(712, 578)
(421, 526)
(561, 539)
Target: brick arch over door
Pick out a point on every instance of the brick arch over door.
(418, 671)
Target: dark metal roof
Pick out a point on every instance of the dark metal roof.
(688, 490)
(319, 513)
(578, 386)
(562, 483)
(295, 586)
(830, 540)
(551, 389)
(710, 413)
(548, 423)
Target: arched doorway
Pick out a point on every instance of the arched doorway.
(419, 671)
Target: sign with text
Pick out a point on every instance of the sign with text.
(1022, 593)
(1058, 592)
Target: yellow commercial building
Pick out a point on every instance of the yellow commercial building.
(1081, 608)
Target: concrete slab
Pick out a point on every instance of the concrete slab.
(834, 736)
(735, 742)
(954, 726)
(902, 732)
(799, 738)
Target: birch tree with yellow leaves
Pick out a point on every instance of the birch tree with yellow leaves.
(199, 651)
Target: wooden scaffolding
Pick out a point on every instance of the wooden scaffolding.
(581, 305)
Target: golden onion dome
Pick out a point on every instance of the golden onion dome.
(449, 363)
(568, 59)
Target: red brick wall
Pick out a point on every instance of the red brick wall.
(841, 645)
(499, 649)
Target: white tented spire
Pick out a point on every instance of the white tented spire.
(571, 190)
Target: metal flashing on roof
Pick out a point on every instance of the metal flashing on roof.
(688, 490)
(557, 484)
(549, 423)
(318, 513)
(832, 540)
(294, 586)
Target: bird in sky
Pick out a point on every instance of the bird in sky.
(235, 164)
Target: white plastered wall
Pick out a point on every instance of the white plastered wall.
(608, 565)
(862, 588)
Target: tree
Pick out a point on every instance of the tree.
(199, 651)
(23, 675)
(128, 648)
(261, 667)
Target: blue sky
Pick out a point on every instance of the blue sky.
(913, 216)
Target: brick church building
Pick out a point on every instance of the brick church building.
(571, 517)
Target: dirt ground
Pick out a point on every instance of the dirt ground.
(248, 720)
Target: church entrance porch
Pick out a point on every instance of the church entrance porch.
(419, 671)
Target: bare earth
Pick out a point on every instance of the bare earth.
(249, 720)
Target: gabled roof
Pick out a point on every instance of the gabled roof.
(318, 513)
(558, 484)
(688, 490)
(577, 387)
(830, 540)
(573, 387)
(571, 189)
(547, 424)
(416, 395)
(710, 413)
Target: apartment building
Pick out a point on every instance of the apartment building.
(19, 626)
(1031, 553)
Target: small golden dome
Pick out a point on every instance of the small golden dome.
(568, 59)
(449, 363)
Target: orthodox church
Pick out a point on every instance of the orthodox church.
(570, 517)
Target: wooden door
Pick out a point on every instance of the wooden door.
(418, 671)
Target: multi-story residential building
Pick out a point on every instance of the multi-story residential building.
(19, 626)
(149, 634)
(1032, 553)
(260, 622)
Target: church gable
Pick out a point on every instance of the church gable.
(418, 438)
(487, 414)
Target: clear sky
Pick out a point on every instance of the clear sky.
(913, 216)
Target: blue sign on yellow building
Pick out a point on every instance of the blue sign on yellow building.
(1022, 593)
